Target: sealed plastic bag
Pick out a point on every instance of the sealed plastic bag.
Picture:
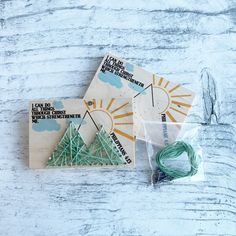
(173, 151)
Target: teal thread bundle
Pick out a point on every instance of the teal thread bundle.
(173, 151)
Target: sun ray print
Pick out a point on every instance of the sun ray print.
(86, 104)
(174, 88)
(123, 115)
(160, 81)
(183, 113)
(115, 115)
(118, 108)
(117, 131)
(170, 99)
(181, 104)
(101, 103)
(181, 95)
(166, 84)
(172, 118)
(94, 104)
(110, 103)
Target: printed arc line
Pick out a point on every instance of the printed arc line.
(183, 113)
(182, 95)
(124, 123)
(181, 104)
(123, 115)
(94, 103)
(101, 103)
(166, 84)
(174, 88)
(118, 108)
(86, 104)
(110, 103)
(160, 81)
(117, 131)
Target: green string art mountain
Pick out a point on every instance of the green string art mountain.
(72, 151)
(103, 151)
(68, 150)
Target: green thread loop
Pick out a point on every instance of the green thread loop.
(173, 151)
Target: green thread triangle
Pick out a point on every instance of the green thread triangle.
(72, 151)
(68, 149)
(103, 151)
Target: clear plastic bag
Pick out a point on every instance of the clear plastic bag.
(174, 151)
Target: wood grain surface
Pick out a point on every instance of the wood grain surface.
(51, 49)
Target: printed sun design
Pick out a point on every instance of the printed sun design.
(111, 116)
(170, 100)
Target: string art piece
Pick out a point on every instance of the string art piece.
(173, 151)
(69, 148)
(103, 151)
(72, 151)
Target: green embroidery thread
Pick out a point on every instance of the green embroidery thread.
(173, 151)
(72, 151)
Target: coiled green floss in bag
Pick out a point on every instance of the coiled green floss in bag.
(173, 151)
